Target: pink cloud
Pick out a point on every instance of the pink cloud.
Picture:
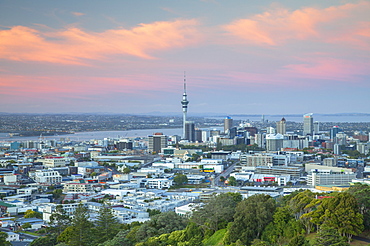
(83, 86)
(78, 14)
(73, 45)
(319, 70)
(278, 26)
(327, 68)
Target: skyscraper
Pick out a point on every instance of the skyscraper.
(334, 131)
(190, 131)
(281, 126)
(157, 141)
(316, 127)
(308, 124)
(228, 124)
(184, 104)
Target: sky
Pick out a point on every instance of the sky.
(239, 56)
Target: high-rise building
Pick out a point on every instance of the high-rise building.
(157, 141)
(308, 124)
(281, 126)
(198, 135)
(274, 142)
(190, 131)
(316, 127)
(228, 124)
(260, 140)
(334, 131)
(205, 136)
(124, 144)
(184, 104)
(270, 130)
(233, 132)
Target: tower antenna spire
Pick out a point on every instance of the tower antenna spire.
(184, 104)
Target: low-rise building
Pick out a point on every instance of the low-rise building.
(12, 236)
(26, 191)
(126, 215)
(11, 178)
(317, 178)
(159, 183)
(47, 176)
(54, 161)
(195, 179)
(7, 208)
(185, 210)
(75, 187)
(248, 191)
(256, 160)
(294, 172)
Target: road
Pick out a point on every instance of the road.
(361, 239)
(224, 174)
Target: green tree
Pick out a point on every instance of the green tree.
(59, 219)
(329, 236)
(362, 194)
(153, 212)
(299, 240)
(340, 212)
(107, 225)
(283, 228)
(45, 240)
(216, 213)
(251, 217)
(93, 174)
(167, 222)
(57, 193)
(126, 170)
(159, 224)
(119, 240)
(3, 237)
(80, 233)
(66, 235)
(26, 225)
(259, 242)
(303, 203)
(193, 234)
(353, 154)
(180, 179)
(32, 214)
(232, 181)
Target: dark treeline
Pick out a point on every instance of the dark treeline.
(228, 220)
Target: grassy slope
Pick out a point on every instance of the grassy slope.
(215, 239)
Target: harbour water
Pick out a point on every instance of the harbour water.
(82, 136)
(299, 118)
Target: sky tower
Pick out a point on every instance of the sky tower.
(184, 104)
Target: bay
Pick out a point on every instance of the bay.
(83, 136)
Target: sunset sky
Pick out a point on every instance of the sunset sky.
(240, 56)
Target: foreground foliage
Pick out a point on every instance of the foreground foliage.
(226, 220)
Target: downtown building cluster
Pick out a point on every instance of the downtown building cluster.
(135, 175)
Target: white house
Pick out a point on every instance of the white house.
(159, 183)
(12, 237)
(47, 177)
(185, 210)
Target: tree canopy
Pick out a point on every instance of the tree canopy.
(251, 217)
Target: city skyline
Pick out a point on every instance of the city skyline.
(243, 57)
